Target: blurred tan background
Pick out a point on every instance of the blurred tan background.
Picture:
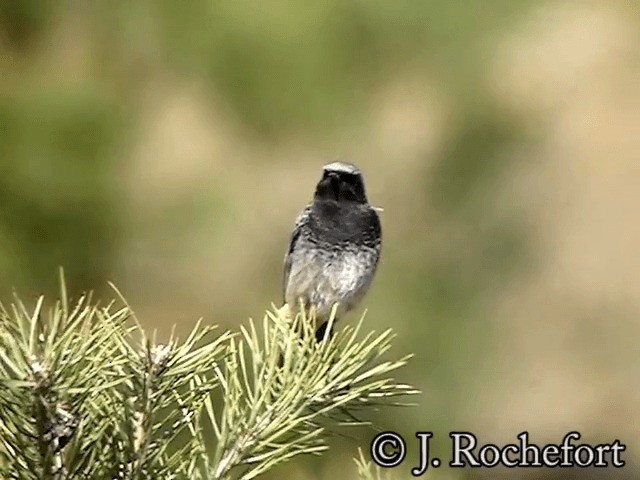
(168, 147)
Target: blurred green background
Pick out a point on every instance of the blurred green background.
(167, 146)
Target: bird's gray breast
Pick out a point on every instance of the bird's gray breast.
(321, 276)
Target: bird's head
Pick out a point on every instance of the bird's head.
(341, 182)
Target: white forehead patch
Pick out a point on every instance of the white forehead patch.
(341, 167)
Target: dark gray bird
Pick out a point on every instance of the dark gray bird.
(335, 246)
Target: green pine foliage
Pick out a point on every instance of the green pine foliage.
(367, 470)
(85, 393)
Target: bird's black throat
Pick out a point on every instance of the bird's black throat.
(338, 222)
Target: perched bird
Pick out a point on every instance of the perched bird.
(335, 246)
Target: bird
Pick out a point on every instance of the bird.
(334, 248)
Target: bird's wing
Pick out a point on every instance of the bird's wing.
(295, 234)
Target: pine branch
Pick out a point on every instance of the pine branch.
(53, 368)
(281, 386)
(367, 470)
(85, 393)
(163, 397)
